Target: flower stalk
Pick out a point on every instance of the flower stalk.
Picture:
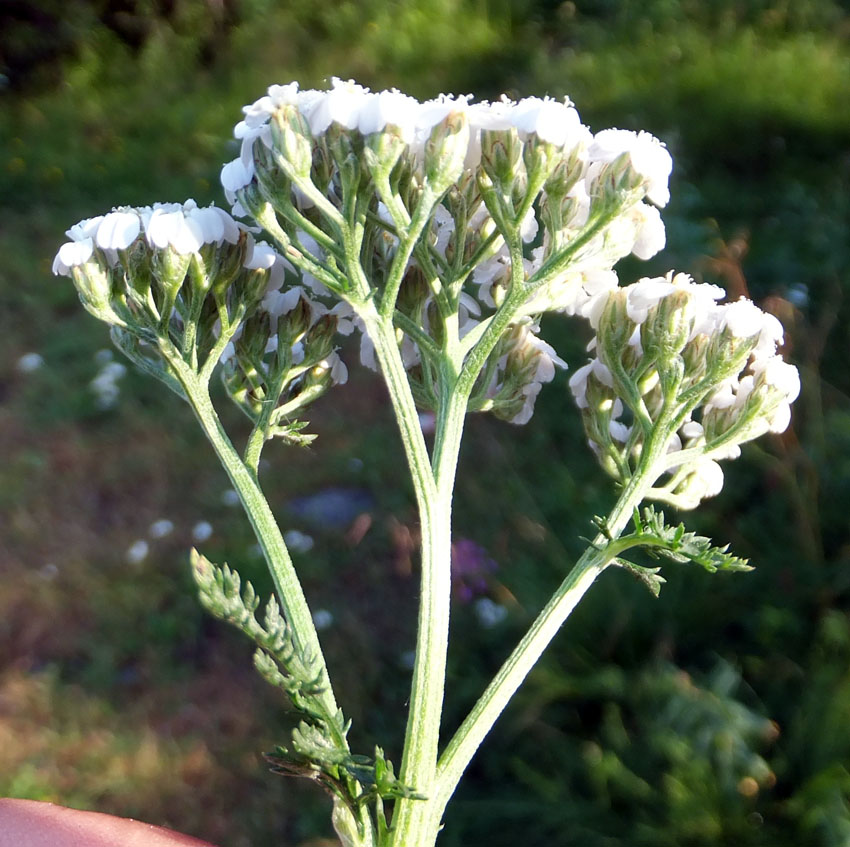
(440, 232)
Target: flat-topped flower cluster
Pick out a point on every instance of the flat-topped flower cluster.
(674, 364)
(466, 175)
(351, 107)
(184, 227)
(178, 271)
(449, 214)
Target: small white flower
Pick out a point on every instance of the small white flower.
(388, 108)
(341, 105)
(336, 367)
(30, 362)
(491, 116)
(691, 430)
(651, 235)
(137, 552)
(649, 158)
(322, 619)
(161, 528)
(780, 419)
(171, 229)
(619, 431)
(551, 121)
(644, 295)
(427, 422)
(489, 613)
(230, 497)
(105, 384)
(118, 230)
(297, 541)
(704, 480)
(780, 375)
(578, 384)
(431, 112)
(71, 255)
(202, 531)
(742, 318)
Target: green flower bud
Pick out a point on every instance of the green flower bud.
(383, 151)
(94, 286)
(319, 340)
(292, 138)
(445, 151)
(664, 334)
(616, 178)
(228, 261)
(346, 149)
(695, 356)
(292, 325)
(249, 286)
(562, 172)
(256, 332)
(501, 157)
(615, 328)
(169, 271)
(413, 293)
(727, 354)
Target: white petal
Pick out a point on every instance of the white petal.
(118, 230)
(71, 254)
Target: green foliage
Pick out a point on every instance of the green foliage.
(319, 749)
(675, 543)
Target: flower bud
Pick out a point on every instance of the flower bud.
(727, 354)
(664, 334)
(252, 343)
(615, 327)
(413, 293)
(501, 155)
(318, 342)
(346, 150)
(563, 167)
(228, 261)
(445, 151)
(612, 180)
(93, 285)
(704, 481)
(382, 151)
(327, 372)
(292, 138)
(292, 325)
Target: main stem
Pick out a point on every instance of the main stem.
(419, 760)
(415, 823)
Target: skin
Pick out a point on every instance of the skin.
(29, 823)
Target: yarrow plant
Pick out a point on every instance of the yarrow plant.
(440, 232)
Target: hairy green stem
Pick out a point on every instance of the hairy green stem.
(287, 585)
(513, 672)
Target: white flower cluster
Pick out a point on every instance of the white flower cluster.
(153, 268)
(730, 384)
(353, 107)
(525, 364)
(184, 227)
(592, 161)
(278, 303)
(596, 197)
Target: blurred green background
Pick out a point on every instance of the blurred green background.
(716, 715)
